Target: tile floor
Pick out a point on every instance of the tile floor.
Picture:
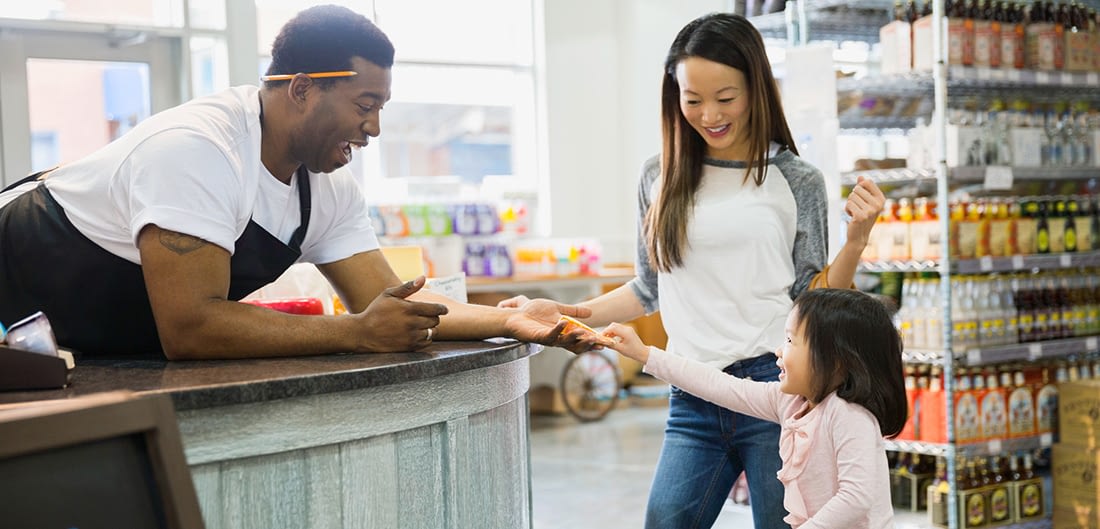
(596, 475)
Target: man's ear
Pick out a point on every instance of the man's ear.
(298, 88)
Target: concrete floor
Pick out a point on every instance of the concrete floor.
(596, 475)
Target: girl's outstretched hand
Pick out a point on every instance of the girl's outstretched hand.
(625, 340)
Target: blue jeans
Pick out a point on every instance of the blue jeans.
(706, 447)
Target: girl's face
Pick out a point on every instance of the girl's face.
(795, 372)
(715, 100)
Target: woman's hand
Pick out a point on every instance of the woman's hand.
(864, 205)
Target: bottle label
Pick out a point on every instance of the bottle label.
(998, 505)
(966, 418)
(1021, 420)
(1046, 404)
(975, 510)
(1031, 500)
(994, 416)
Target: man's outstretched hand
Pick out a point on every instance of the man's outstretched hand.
(539, 321)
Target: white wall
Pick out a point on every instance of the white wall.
(603, 61)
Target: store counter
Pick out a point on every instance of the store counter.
(430, 439)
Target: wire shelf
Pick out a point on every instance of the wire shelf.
(901, 174)
(899, 266)
(977, 174)
(921, 356)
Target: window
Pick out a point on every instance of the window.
(463, 107)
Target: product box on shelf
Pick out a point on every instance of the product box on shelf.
(1096, 133)
(960, 42)
(922, 44)
(1079, 414)
(964, 145)
(1074, 471)
(1027, 499)
(1002, 506)
(1026, 144)
(973, 508)
(1079, 51)
(1080, 517)
(1045, 46)
(910, 491)
(1013, 53)
(896, 40)
(987, 43)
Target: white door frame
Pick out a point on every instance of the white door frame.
(163, 54)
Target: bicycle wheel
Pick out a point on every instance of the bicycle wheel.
(590, 385)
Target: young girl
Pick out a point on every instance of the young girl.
(840, 390)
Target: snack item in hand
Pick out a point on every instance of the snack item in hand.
(572, 324)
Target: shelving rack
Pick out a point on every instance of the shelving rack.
(860, 20)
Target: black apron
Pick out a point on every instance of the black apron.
(96, 301)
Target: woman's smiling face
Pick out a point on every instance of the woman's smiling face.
(714, 101)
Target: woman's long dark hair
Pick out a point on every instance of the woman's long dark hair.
(730, 40)
(853, 341)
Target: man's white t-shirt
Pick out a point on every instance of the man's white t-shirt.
(196, 169)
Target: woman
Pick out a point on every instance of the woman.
(732, 229)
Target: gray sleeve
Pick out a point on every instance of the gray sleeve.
(812, 232)
(644, 283)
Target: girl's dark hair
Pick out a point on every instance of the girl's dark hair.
(856, 351)
(324, 39)
(730, 40)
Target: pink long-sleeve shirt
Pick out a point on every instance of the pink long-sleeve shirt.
(834, 469)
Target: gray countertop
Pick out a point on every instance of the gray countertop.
(205, 384)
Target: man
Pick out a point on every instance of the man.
(147, 243)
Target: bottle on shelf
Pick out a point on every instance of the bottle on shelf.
(1082, 223)
(976, 511)
(967, 413)
(1056, 225)
(999, 494)
(994, 411)
(1021, 407)
(1028, 493)
(933, 427)
(938, 492)
(911, 429)
(1042, 229)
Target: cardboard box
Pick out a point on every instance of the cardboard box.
(896, 40)
(1045, 46)
(1074, 470)
(960, 42)
(1026, 146)
(1028, 499)
(1002, 508)
(910, 491)
(1085, 517)
(922, 44)
(987, 43)
(964, 146)
(1013, 50)
(1078, 51)
(1079, 414)
(973, 508)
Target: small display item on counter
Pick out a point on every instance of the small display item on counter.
(33, 334)
(304, 306)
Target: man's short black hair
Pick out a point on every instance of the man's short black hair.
(325, 38)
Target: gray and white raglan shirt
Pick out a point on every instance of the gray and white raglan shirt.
(750, 251)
